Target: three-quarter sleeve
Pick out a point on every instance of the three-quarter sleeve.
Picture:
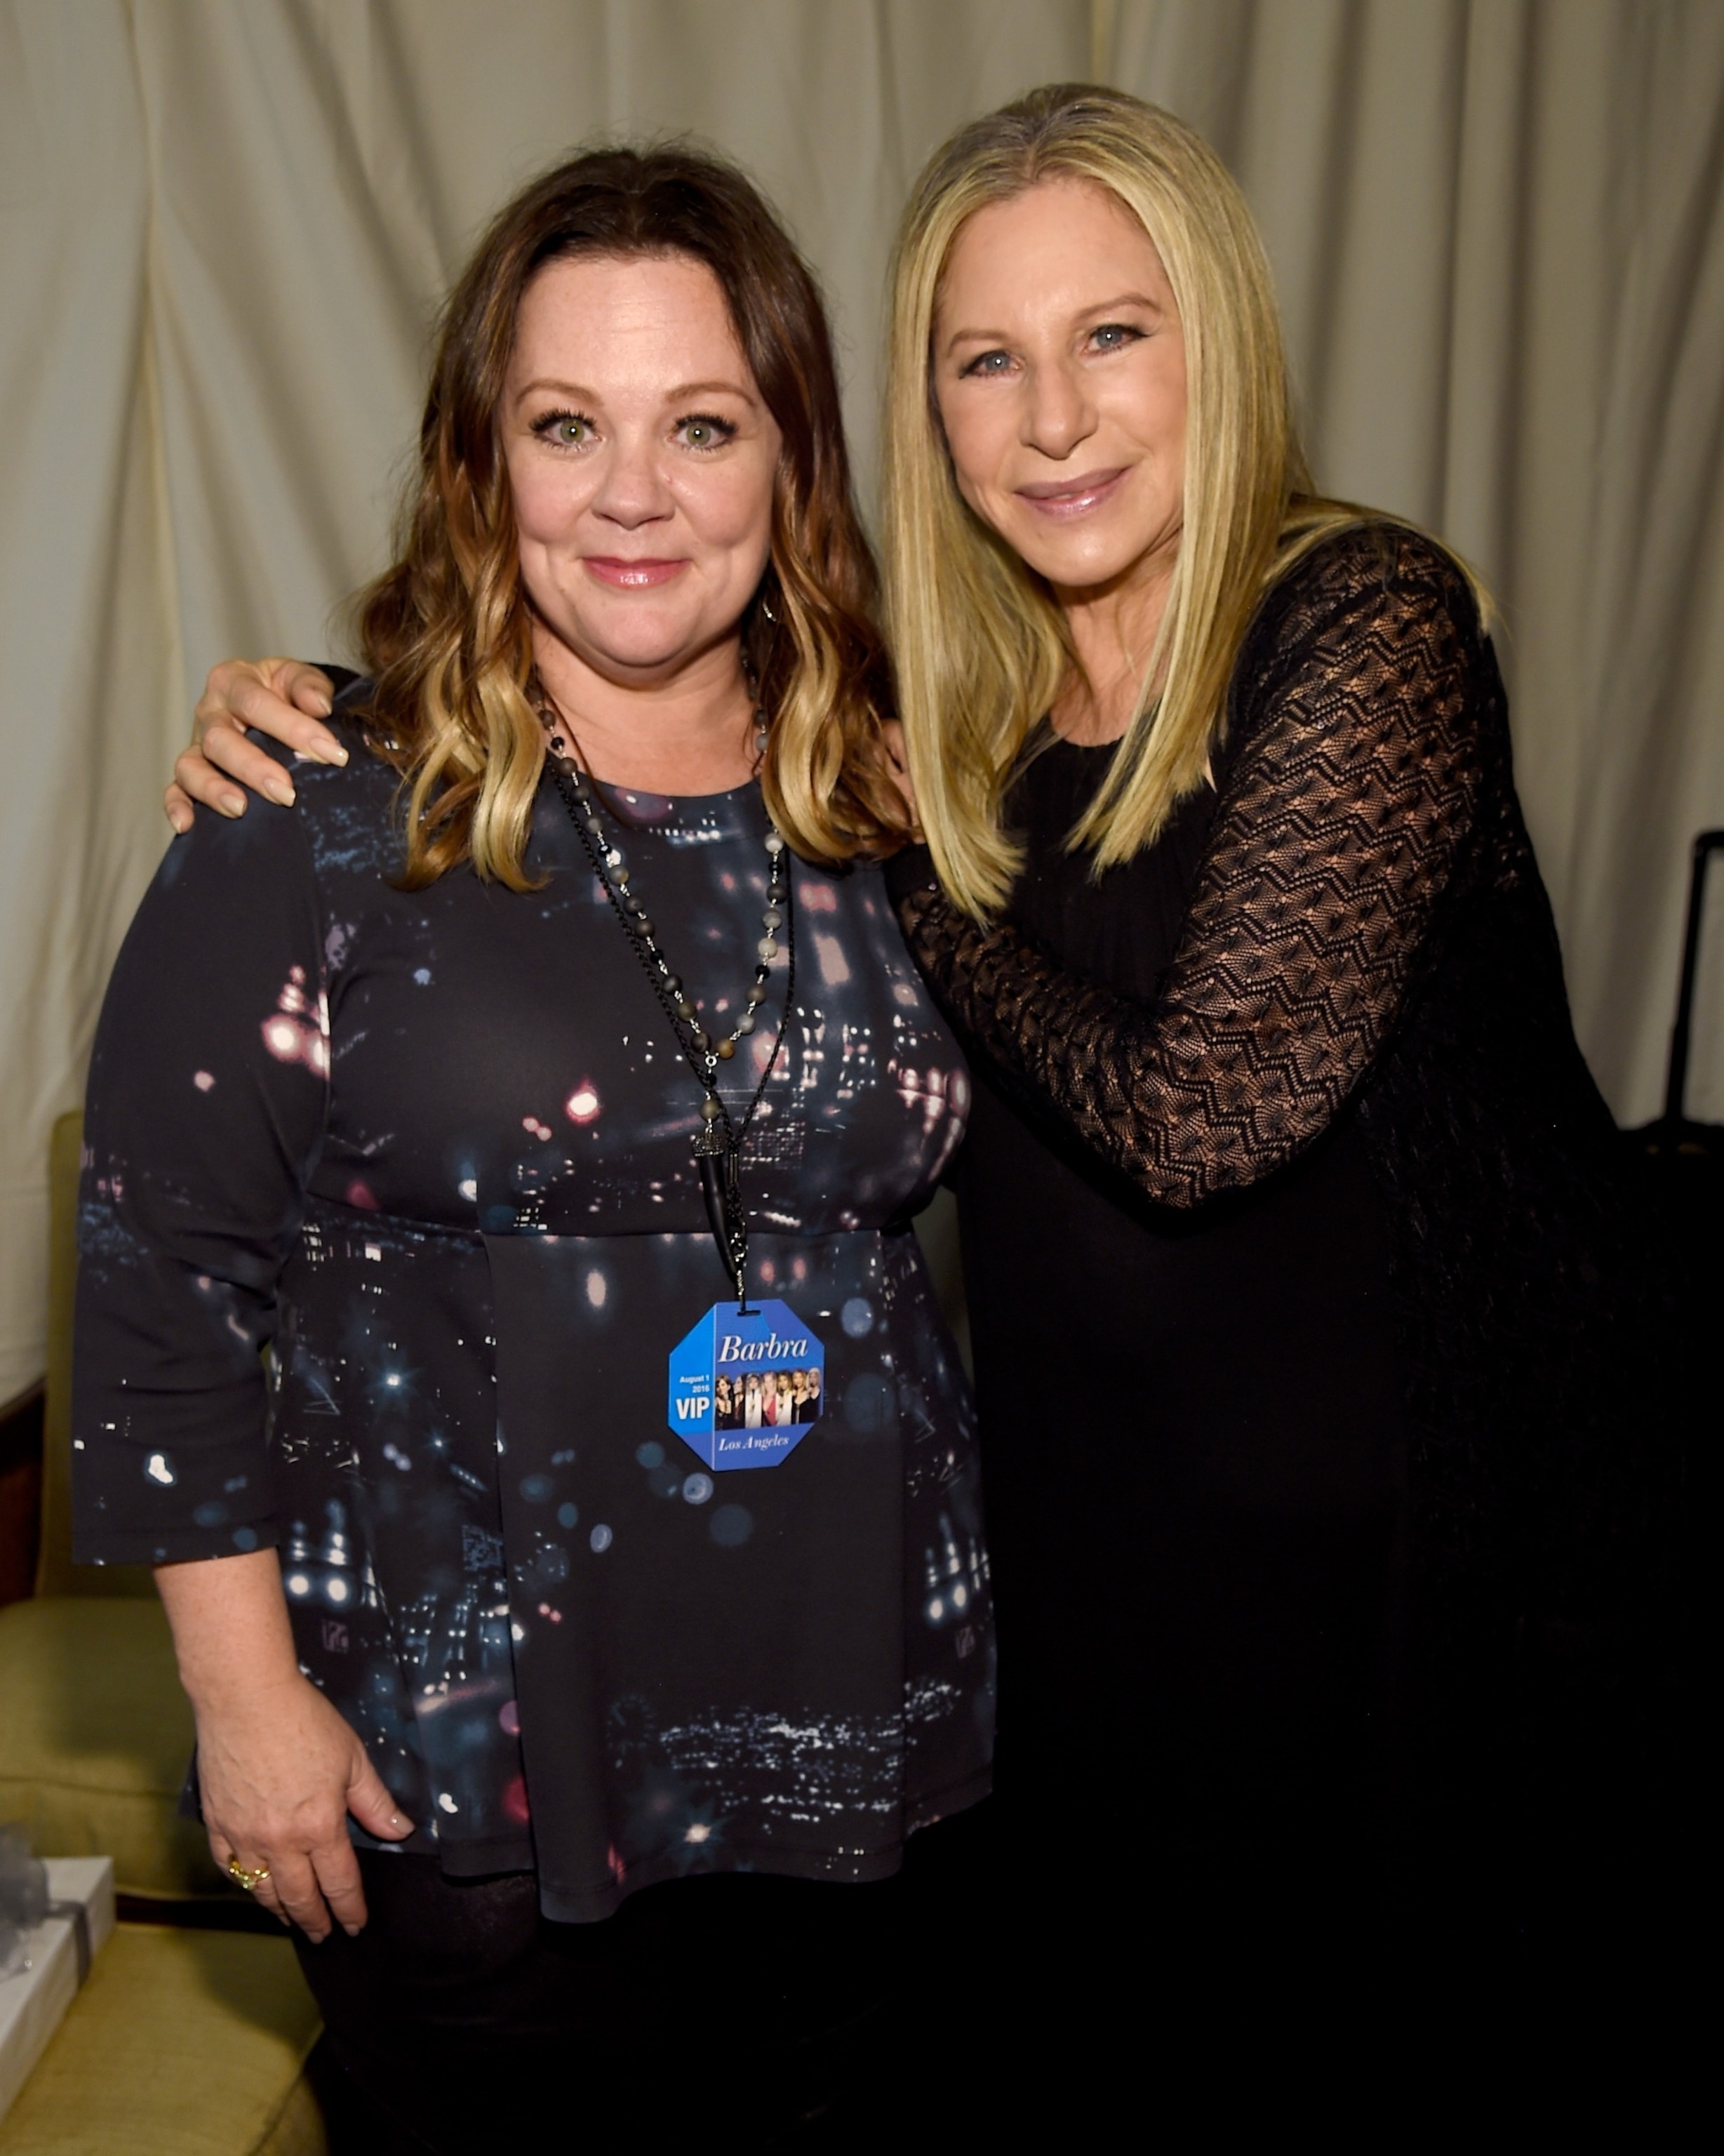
(207, 1104)
(1353, 788)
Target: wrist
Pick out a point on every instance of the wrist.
(239, 1685)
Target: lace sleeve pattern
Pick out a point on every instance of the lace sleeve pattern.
(1353, 789)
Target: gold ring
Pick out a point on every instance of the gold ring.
(250, 1880)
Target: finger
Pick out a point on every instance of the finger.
(307, 686)
(338, 1880)
(372, 1805)
(268, 701)
(177, 805)
(294, 1880)
(230, 751)
(195, 775)
(264, 1893)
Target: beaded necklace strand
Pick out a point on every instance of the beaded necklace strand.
(718, 1143)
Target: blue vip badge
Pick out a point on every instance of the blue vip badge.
(747, 1386)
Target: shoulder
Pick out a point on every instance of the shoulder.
(345, 821)
(1375, 579)
(1377, 624)
(347, 816)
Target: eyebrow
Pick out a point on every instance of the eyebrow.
(1101, 307)
(679, 395)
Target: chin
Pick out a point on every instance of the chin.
(1077, 568)
(638, 636)
(659, 657)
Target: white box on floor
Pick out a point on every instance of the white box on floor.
(32, 2003)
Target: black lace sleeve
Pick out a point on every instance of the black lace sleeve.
(1354, 785)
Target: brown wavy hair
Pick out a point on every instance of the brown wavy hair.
(446, 630)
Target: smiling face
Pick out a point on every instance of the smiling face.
(1059, 370)
(642, 460)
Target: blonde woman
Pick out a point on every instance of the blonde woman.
(1281, 1130)
(401, 1079)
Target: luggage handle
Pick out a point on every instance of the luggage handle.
(1706, 844)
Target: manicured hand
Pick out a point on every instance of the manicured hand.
(279, 1771)
(282, 697)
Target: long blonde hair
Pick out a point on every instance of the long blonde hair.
(980, 646)
(446, 630)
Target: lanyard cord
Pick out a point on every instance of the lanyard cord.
(718, 1144)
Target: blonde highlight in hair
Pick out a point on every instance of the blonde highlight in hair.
(980, 645)
(446, 630)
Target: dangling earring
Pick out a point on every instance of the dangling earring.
(761, 722)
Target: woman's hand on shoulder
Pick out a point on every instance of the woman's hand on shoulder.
(284, 698)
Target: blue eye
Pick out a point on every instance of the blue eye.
(990, 362)
(1115, 336)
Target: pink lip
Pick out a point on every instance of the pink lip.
(1074, 497)
(632, 573)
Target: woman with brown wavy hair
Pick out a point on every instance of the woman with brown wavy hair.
(489, 1079)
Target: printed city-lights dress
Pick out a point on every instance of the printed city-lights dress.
(435, 1148)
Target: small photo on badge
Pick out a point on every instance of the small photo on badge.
(731, 1412)
(767, 1400)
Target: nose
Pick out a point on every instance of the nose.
(632, 489)
(1057, 412)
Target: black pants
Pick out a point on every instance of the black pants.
(1006, 1979)
(741, 2003)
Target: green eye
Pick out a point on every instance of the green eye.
(704, 430)
(569, 430)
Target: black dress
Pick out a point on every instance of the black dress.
(433, 1147)
(1300, 1268)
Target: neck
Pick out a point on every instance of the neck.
(689, 733)
(1113, 628)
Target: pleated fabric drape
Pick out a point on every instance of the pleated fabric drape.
(1497, 226)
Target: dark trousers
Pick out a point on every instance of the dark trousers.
(779, 2009)
(1007, 1978)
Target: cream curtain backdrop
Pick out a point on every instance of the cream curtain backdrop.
(1498, 227)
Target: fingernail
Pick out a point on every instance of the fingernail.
(351, 1930)
(181, 824)
(280, 790)
(232, 804)
(322, 704)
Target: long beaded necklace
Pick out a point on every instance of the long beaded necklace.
(718, 1143)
